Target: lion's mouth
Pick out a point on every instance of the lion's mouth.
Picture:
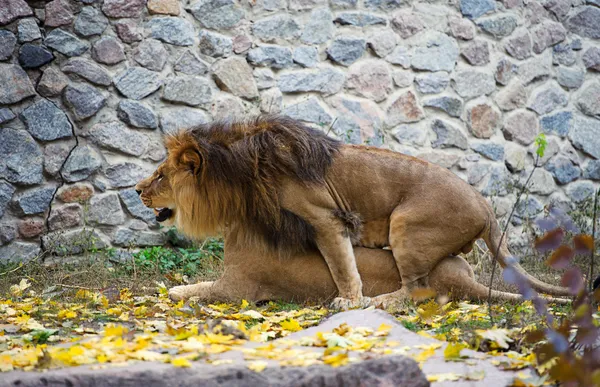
(163, 214)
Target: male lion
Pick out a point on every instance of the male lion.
(293, 189)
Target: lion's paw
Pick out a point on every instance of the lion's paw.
(342, 303)
(386, 301)
(178, 293)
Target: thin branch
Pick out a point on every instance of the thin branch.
(593, 252)
(77, 287)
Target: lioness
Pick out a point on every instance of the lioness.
(292, 188)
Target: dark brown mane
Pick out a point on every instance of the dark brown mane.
(242, 167)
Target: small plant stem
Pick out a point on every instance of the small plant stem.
(593, 252)
(76, 287)
(494, 264)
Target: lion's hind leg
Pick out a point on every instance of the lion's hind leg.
(202, 290)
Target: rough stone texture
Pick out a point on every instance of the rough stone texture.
(580, 191)
(55, 154)
(241, 44)
(432, 83)
(521, 126)
(46, 122)
(306, 56)
(174, 119)
(451, 105)
(123, 8)
(403, 78)
(271, 101)
(33, 56)
(189, 63)
(346, 50)
(8, 233)
(52, 82)
(235, 75)
(519, 46)
(547, 98)
(128, 237)
(591, 58)
(547, 34)
(83, 100)
(137, 114)
(585, 22)
(116, 136)
(557, 123)
(151, 54)
(164, 7)
(105, 209)
(126, 174)
(359, 19)
(81, 164)
(33, 201)
(128, 30)
(19, 252)
(16, 86)
(476, 8)
(217, 14)
(404, 108)
(461, 28)
(136, 208)
(406, 24)
(592, 170)
(505, 70)
(64, 217)
(563, 169)
(498, 26)
(75, 193)
(570, 78)
(308, 111)
(585, 135)
(108, 50)
(87, 70)
(270, 28)
(589, 100)
(448, 136)
(188, 90)
(20, 157)
(7, 44)
(477, 53)
(359, 121)
(73, 242)
(172, 30)
(370, 79)
(6, 194)
(483, 119)
(435, 52)
(382, 42)
(66, 43)
(13, 9)
(272, 56)
(215, 45)
(471, 84)
(31, 228)
(28, 30)
(512, 97)
(319, 27)
(6, 115)
(137, 82)
(90, 21)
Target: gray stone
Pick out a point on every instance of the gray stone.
(90, 22)
(359, 19)
(136, 208)
(505, 70)
(521, 126)
(6, 115)
(382, 42)
(65, 217)
(277, 57)
(564, 54)
(432, 83)
(16, 85)
(108, 50)
(81, 164)
(407, 24)
(451, 105)
(403, 78)
(519, 45)
(46, 122)
(228, 107)
(241, 44)
(591, 58)
(137, 82)
(483, 119)
(470, 83)
(235, 75)
(534, 69)
(264, 77)
(585, 22)
(215, 45)
(172, 30)
(319, 27)
(461, 28)
(559, 123)
(13, 9)
(309, 110)
(20, 157)
(106, 209)
(370, 79)
(28, 30)
(189, 63)
(137, 114)
(547, 34)
(55, 155)
(116, 136)
(19, 251)
(83, 100)
(188, 90)
(151, 54)
(513, 96)
(528, 208)
(563, 169)
(498, 181)
(275, 27)
(271, 101)
(123, 8)
(306, 56)
(441, 158)
(346, 50)
(547, 98)
(88, 70)
(327, 80)
(174, 119)
(125, 174)
(591, 171)
(358, 121)
(498, 26)
(585, 135)
(32, 56)
(542, 182)
(400, 56)
(404, 109)
(304, 5)
(31, 228)
(343, 4)
(409, 134)
(384, 5)
(33, 201)
(490, 150)
(128, 30)
(580, 191)
(217, 14)
(7, 44)
(448, 136)
(6, 194)
(477, 53)
(8, 232)
(60, 13)
(476, 8)
(576, 44)
(515, 157)
(552, 148)
(52, 82)
(66, 43)
(589, 100)
(435, 51)
(570, 78)
(73, 242)
(128, 237)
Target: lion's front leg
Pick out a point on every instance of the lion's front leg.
(205, 290)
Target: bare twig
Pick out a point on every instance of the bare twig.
(593, 252)
(77, 287)
(331, 127)
(494, 263)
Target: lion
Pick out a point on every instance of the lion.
(252, 274)
(293, 189)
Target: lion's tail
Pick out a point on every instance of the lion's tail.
(494, 242)
(479, 292)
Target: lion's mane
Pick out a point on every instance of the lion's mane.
(227, 172)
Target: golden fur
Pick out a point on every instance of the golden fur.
(292, 189)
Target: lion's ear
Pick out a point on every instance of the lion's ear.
(192, 160)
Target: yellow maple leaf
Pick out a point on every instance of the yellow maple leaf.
(336, 360)
(244, 304)
(424, 355)
(452, 351)
(181, 362)
(444, 377)
(257, 366)
(66, 314)
(383, 330)
(112, 330)
(291, 325)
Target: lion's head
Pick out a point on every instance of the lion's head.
(155, 192)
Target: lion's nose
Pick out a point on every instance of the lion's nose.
(139, 191)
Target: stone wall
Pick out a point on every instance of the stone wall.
(88, 87)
